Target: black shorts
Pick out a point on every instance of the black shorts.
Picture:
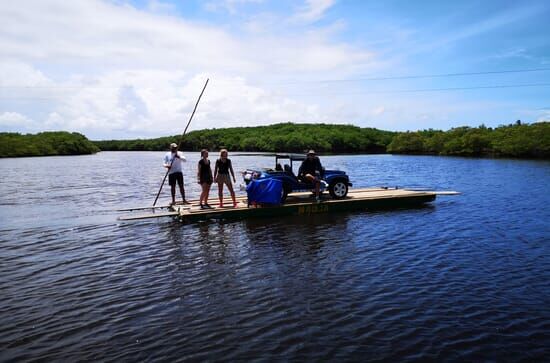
(205, 179)
(172, 178)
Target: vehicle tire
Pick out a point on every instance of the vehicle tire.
(286, 189)
(338, 189)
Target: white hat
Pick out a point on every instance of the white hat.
(173, 145)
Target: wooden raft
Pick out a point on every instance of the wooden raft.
(297, 204)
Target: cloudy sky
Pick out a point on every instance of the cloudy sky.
(126, 69)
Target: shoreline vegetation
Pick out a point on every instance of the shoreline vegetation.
(48, 143)
(516, 140)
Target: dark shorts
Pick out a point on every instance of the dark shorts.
(205, 179)
(172, 178)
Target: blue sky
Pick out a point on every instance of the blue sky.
(125, 69)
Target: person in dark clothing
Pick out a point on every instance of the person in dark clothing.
(310, 171)
(221, 175)
(204, 176)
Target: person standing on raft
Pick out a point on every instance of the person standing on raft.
(221, 176)
(173, 161)
(204, 176)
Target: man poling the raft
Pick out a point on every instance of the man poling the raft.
(173, 161)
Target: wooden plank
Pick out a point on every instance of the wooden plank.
(151, 207)
(147, 216)
(142, 208)
(447, 192)
(215, 208)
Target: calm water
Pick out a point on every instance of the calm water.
(465, 278)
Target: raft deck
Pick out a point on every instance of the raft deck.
(299, 204)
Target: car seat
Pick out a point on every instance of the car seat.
(289, 171)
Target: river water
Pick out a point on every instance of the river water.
(466, 278)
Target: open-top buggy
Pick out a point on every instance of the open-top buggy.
(336, 181)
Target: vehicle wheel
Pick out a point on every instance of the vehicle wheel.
(286, 190)
(338, 189)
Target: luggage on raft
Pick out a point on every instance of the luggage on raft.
(267, 191)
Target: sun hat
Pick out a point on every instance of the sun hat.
(173, 145)
(311, 152)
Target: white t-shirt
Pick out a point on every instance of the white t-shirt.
(177, 166)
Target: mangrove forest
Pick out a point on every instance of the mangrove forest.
(514, 140)
(44, 144)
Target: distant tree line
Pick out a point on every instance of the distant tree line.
(288, 137)
(515, 140)
(45, 143)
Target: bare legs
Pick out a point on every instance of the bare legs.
(315, 181)
(230, 187)
(204, 194)
(231, 191)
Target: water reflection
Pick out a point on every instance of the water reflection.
(307, 233)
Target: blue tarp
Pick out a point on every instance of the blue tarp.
(265, 191)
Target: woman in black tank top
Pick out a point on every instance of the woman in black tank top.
(204, 176)
(221, 175)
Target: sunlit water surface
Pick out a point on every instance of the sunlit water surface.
(466, 278)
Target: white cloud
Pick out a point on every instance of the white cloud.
(15, 74)
(540, 115)
(228, 5)
(93, 34)
(378, 110)
(14, 119)
(111, 70)
(313, 10)
(96, 34)
(160, 7)
(102, 68)
(144, 103)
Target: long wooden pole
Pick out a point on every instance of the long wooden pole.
(181, 140)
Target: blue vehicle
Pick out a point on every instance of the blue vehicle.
(337, 182)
